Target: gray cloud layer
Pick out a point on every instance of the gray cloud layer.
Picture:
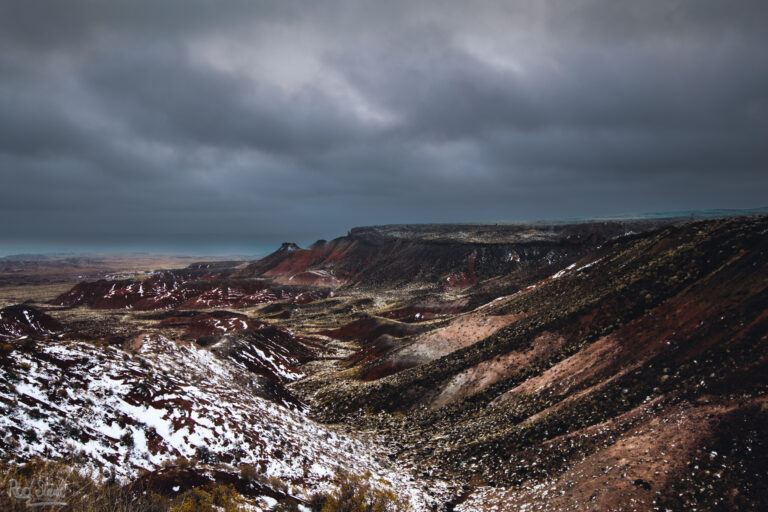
(211, 122)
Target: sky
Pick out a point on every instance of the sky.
(206, 126)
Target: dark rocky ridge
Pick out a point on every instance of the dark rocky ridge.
(448, 256)
(618, 357)
(431, 257)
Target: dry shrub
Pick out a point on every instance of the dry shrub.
(77, 492)
(277, 484)
(285, 506)
(251, 473)
(355, 494)
(80, 493)
(210, 498)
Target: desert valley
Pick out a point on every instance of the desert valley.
(615, 364)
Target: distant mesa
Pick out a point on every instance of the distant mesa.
(289, 247)
(452, 257)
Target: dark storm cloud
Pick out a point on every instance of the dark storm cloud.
(264, 120)
(169, 98)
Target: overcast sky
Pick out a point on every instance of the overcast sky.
(229, 126)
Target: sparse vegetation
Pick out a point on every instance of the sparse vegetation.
(72, 491)
(356, 494)
(127, 439)
(648, 349)
(286, 506)
(249, 473)
(210, 498)
(65, 485)
(277, 484)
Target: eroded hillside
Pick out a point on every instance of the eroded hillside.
(614, 365)
(604, 385)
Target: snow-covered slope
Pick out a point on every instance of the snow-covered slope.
(20, 320)
(124, 413)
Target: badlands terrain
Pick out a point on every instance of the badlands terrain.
(612, 364)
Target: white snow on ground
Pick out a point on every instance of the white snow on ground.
(126, 412)
(14, 327)
(561, 273)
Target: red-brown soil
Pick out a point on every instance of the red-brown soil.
(182, 291)
(603, 386)
(22, 320)
(603, 366)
